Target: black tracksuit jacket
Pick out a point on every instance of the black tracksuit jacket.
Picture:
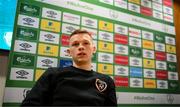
(72, 86)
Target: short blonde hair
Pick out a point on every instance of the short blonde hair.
(80, 31)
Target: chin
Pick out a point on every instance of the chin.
(82, 61)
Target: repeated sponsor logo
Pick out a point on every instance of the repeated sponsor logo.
(170, 40)
(15, 94)
(121, 29)
(121, 39)
(148, 63)
(71, 18)
(21, 74)
(167, 10)
(68, 28)
(93, 32)
(148, 44)
(135, 72)
(106, 26)
(157, 6)
(28, 21)
(105, 47)
(49, 50)
(161, 65)
(147, 35)
(113, 14)
(121, 81)
(148, 98)
(105, 36)
(24, 46)
(121, 3)
(159, 38)
(64, 53)
(173, 84)
(50, 25)
(148, 54)
(172, 66)
(65, 63)
(29, 9)
(134, 7)
(23, 60)
(46, 62)
(146, 11)
(161, 74)
(160, 56)
(159, 47)
(136, 82)
(171, 57)
(137, 52)
(121, 49)
(146, 3)
(134, 32)
(65, 40)
(121, 70)
(167, 3)
(168, 18)
(162, 84)
(157, 1)
(134, 1)
(134, 42)
(89, 22)
(49, 37)
(105, 68)
(27, 34)
(157, 15)
(38, 73)
(121, 60)
(51, 14)
(171, 49)
(134, 61)
(149, 73)
(110, 2)
(105, 57)
(95, 43)
(173, 75)
(148, 83)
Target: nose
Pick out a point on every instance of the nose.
(81, 47)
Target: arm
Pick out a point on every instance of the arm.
(40, 93)
(111, 95)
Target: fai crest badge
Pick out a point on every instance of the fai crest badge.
(100, 85)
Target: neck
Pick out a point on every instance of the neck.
(82, 66)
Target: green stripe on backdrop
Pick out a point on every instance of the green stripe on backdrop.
(96, 2)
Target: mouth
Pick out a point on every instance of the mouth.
(81, 54)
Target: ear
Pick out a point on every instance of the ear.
(68, 51)
(94, 49)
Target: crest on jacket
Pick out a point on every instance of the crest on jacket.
(100, 85)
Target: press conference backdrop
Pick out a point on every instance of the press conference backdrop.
(135, 42)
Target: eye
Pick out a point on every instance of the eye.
(75, 44)
(86, 43)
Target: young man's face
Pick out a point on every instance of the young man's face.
(81, 48)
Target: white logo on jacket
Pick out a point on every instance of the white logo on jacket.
(100, 85)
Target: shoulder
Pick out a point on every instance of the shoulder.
(104, 77)
(57, 70)
(53, 72)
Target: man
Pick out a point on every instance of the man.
(76, 85)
